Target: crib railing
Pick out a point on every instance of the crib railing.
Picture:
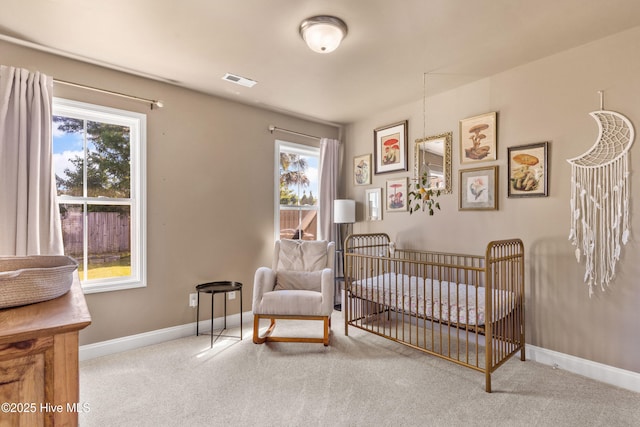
(432, 301)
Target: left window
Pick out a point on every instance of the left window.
(99, 161)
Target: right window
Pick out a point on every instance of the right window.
(297, 204)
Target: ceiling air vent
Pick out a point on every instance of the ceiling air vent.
(242, 81)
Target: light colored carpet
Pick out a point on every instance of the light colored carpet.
(359, 380)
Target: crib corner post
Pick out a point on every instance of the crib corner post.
(345, 313)
(487, 387)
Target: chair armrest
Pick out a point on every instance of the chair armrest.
(327, 283)
(264, 281)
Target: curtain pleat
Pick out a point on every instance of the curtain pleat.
(29, 215)
(328, 186)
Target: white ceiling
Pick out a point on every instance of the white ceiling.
(380, 64)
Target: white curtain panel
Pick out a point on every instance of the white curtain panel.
(328, 186)
(29, 215)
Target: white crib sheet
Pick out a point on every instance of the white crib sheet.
(451, 303)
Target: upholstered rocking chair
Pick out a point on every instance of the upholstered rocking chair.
(300, 285)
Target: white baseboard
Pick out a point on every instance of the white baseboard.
(104, 348)
(607, 374)
(597, 371)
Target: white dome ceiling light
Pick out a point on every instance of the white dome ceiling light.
(323, 34)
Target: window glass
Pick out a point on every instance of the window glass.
(109, 242)
(108, 160)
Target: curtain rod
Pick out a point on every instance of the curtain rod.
(151, 102)
(273, 128)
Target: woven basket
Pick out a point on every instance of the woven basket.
(31, 279)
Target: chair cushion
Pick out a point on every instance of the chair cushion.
(291, 303)
(302, 255)
(301, 280)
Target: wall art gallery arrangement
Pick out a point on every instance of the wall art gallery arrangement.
(527, 172)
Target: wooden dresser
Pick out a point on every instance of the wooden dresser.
(39, 382)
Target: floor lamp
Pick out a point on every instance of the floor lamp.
(344, 212)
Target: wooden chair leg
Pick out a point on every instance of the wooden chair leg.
(327, 324)
(257, 339)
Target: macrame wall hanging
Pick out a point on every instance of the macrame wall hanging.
(600, 198)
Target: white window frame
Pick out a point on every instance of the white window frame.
(301, 149)
(137, 123)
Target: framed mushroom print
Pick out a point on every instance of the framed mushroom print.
(478, 189)
(390, 145)
(528, 173)
(396, 197)
(362, 169)
(478, 138)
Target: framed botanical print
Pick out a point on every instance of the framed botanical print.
(478, 141)
(362, 170)
(528, 170)
(396, 197)
(390, 145)
(478, 189)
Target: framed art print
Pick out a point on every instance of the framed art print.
(390, 148)
(478, 138)
(478, 189)
(397, 195)
(362, 170)
(528, 173)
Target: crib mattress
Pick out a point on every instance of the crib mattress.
(438, 300)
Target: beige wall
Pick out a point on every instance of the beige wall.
(548, 100)
(210, 192)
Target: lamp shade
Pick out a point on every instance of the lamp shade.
(344, 211)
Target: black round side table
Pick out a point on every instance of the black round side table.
(220, 287)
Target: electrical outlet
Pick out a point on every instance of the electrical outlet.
(193, 300)
(232, 295)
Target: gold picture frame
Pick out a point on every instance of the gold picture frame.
(478, 189)
(478, 138)
(433, 157)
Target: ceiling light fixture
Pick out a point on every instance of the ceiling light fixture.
(323, 34)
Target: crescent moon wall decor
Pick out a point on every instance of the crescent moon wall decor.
(600, 198)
